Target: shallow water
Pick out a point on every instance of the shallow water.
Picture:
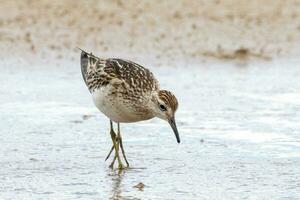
(239, 127)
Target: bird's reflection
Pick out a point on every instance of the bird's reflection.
(116, 177)
(117, 183)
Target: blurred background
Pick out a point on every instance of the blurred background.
(233, 65)
(162, 30)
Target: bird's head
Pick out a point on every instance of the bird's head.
(165, 106)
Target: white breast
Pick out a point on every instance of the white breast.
(113, 107)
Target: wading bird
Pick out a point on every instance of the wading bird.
(126, 92)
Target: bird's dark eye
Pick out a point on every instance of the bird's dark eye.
(162, 107)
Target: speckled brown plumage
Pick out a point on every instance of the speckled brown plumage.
(99, 72)
(126, 92)
(131, 84)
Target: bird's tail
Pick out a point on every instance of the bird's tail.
(87, 62)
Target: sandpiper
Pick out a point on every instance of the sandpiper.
(126, 92)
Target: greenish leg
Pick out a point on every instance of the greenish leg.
(116, 147)
(111, 150)
(121, 145)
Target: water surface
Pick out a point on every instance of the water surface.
(239, 127)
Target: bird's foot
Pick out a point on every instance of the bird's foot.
(120, 165)
(111, 166)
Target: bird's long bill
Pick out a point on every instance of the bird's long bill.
(174, 127)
